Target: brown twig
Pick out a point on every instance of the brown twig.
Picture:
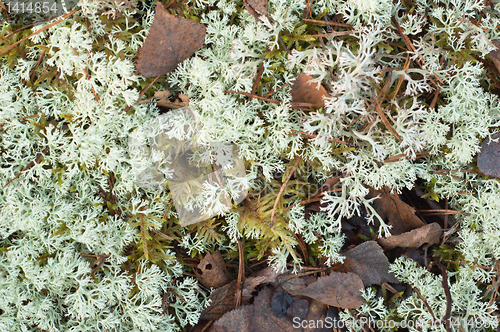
(255, 96)
(385, 88)
(257, 80)
(86, 76)
(333, 140)
(282, 189)
(435, 98)
(404, 156)
(270, 93)
(342, 25)
(334, 34)
(401, 77)
(32, 74)
(449, 300)
(141, 94)
(384, 119)
(425, 302)
(410, 46)
(65, 16)
(99, 262)
(241, 275)
(444, 212)
(23, 118)
(38, 159)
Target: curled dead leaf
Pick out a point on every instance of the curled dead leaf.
(390, 207)
(430, 234)
(342, 290)
(368, 261)
(306, 93)
(222, 301)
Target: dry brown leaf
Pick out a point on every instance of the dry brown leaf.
(264, 319)
(252, 10)
(368, 261)
(317, 312)
(257, 317)
(162, 95)
(430, 234)
(184, 98)
(329, 184)
(390, 207)
(305, 92)
(259, 5)
(238, 320)
(488, 160)
(342, 290)
(265, 276)
(222, 301)
(495, 54)
(213, 271)
(171, 40)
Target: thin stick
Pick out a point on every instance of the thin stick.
(23, 118)
(87, 76)
(334, 34)
(65, 16)
(343, 25)
(401, 77)
(141, 94)
(434, 100)
(37, 160)
(270, 93)
(314, 136)
(410, 46)
(425, 302)
(309, 200)
(282, 189)
(257, 80)
(20, 29)
(32, 75)
(444, 211)
(241, 274)
(384, 120)
(255, 96)
(449, 300)
(402, 155)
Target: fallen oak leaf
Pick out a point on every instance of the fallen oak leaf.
(430, 234)
(257, 317)
(265, 276)
(306, 92)
(171, 40)
(368, 261)
(342, 290)
(390, 207)
(237, 320)
(222, 301)
(264, 319)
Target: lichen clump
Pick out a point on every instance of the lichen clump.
(84, 247)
